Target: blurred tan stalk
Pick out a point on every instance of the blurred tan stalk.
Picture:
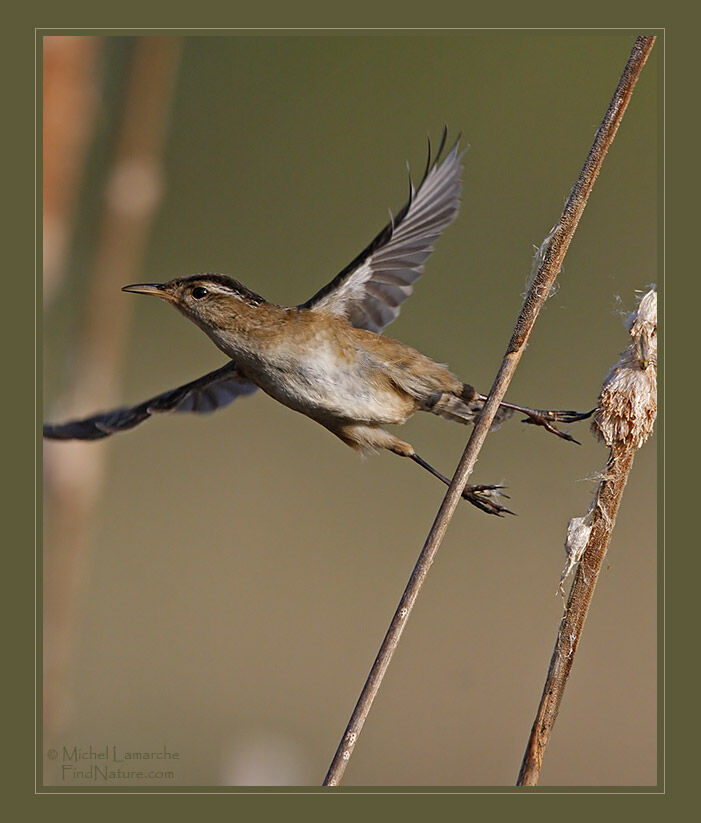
(69, 98)
(73, 479)
(624, 420)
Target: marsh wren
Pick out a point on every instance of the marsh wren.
(326, 358)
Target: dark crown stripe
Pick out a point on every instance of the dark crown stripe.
(229, 283)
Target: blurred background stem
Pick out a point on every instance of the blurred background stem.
(69, 96)
(132, 194)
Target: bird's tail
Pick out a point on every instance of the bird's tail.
(463, 407)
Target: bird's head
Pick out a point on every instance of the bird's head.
(210, 300)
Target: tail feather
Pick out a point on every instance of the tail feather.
(461, 410)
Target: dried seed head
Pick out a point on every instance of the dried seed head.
(578, 531)
(628, 401)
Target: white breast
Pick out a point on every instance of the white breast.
(320, 382)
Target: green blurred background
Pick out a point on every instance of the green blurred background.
(241, 568)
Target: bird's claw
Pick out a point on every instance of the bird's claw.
(485, 497)
(547, 419)
(568, 416)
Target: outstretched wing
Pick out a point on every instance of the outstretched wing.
(207, 393)
(371, 289)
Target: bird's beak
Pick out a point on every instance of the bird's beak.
(156, 289)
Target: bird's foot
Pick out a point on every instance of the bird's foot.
(486, 498)
(548, 418)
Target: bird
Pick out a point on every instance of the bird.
(327, 357)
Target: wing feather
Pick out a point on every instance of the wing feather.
(206, 394)
(370, 290)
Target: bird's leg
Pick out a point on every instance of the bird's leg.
(547, 418)
(483, 496)
(364, 437)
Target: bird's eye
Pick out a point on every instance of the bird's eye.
(199, 292)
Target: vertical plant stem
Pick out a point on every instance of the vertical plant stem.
(69, 98)
(557, 244)
(572, 623)
(72, 485)
(624, 420)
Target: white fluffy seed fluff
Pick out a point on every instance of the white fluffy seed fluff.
(578, 531)
(628, 400)
(626, 412)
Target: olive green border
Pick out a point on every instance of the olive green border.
(20, 321)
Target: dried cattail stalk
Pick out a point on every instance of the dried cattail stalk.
(624, 420)
(628, 400)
